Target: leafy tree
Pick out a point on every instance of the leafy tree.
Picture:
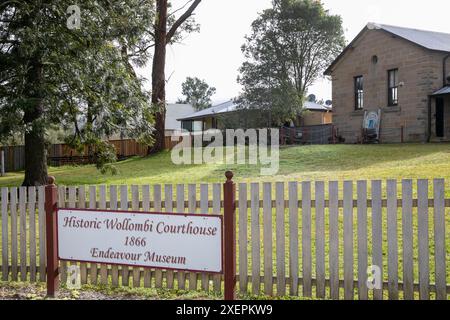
(79, 79)
(289, 47)
(197, 92)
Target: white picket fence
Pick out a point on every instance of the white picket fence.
(294, 239)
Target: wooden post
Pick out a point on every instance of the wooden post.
(402, 130)
(51, 196)
(229, 196)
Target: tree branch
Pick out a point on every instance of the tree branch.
(181, 20)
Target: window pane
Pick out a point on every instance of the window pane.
(359, 92)
(393, 78)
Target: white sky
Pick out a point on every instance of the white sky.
(214, 54)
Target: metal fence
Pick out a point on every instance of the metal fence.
(320, 134)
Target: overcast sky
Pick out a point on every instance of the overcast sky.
(214, 53)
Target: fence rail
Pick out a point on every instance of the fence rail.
(62, 154)
(307, 239)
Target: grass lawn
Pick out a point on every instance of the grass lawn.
(330, 162)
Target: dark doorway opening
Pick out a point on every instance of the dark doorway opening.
(440, 117)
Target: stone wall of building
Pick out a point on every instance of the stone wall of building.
(420, 71)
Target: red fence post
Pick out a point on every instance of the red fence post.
(51, 196)
(229, 196)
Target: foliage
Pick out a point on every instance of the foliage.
(80, 80)
(289, 47)
(197, 92)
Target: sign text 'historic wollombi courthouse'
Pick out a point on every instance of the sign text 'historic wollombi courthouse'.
(166, 241)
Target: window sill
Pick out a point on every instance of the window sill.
(358, 112)
(392, 109)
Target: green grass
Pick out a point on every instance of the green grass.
(330, 162)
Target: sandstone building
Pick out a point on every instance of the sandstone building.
(402, 73)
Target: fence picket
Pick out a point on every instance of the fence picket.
(362, 240)
(102, 206)
(392, 239)
(243, 254)
(82, 205)
(114, 206)
(14, 248)
(267, 235)
(93, 205)
(255, 234)
(23, 232)
(204, 208)
(422, 233)
(267, 231)
(320, 239)
(217, 197)
(192, 200)
(158, 208)
(146, 208)
(407, 233)
(180, 209)
(439, 238)
(348, 241)
(306, 239)
(42, 239)
(293, 238)
(334, 239)
(124, 207)
(168, 199)
(32, 231)
(377, 234)
(72, 201)
(5, 242)
(135, 207)
(280, 235)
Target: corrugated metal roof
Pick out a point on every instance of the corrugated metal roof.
(222, 108)
(431, 40)
(230, 106)
(443, 91)
(315, 106)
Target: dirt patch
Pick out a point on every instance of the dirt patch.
(38, 292)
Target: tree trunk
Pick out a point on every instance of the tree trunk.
(158, 75)
(35, 157)
(35, 153)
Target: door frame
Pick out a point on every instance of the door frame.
(440, 117)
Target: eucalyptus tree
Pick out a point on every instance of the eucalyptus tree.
(197, 92)
(289, 47)
(168, 29)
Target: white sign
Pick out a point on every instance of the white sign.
(164, 241)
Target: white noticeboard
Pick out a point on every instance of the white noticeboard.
(163, 241)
